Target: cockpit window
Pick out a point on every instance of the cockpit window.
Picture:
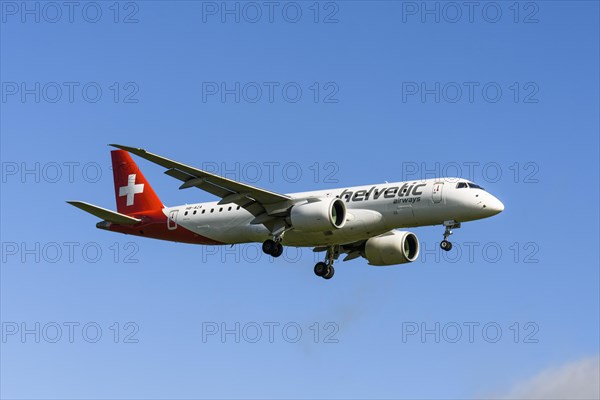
(474, 186)
(462, 185)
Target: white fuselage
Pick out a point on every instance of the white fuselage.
(371, 210)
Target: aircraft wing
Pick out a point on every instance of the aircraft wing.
(253, 199)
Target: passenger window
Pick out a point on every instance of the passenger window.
(185, 213)
(194, 212)
(220, 209)
(238, 207)
(229, 209)
(212, 210)
(203, 211)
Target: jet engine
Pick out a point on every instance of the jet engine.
(318, 216)
(395, 247)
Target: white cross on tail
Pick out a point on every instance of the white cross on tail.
(131, 189)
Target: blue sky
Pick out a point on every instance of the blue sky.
(362, 92)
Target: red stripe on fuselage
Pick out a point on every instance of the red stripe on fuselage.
(154, 225)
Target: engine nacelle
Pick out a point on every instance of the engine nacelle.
(318, 216)
(395, 247)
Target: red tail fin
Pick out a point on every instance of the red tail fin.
(132, 191)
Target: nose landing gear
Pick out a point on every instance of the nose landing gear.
(445, 244)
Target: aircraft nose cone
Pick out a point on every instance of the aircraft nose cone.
(494, 206)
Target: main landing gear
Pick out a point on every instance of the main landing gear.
(325, 269)
(445, 244)
(273, 247)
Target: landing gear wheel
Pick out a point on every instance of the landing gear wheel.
(269, 246)
(278, 250)
(446, 245)
(321, 269)
(324, 269)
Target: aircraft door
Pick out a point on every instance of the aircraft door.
(437, 192)
(172, 220)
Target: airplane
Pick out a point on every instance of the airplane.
(361, 221)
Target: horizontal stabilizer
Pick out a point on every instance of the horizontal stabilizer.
(105, 214)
